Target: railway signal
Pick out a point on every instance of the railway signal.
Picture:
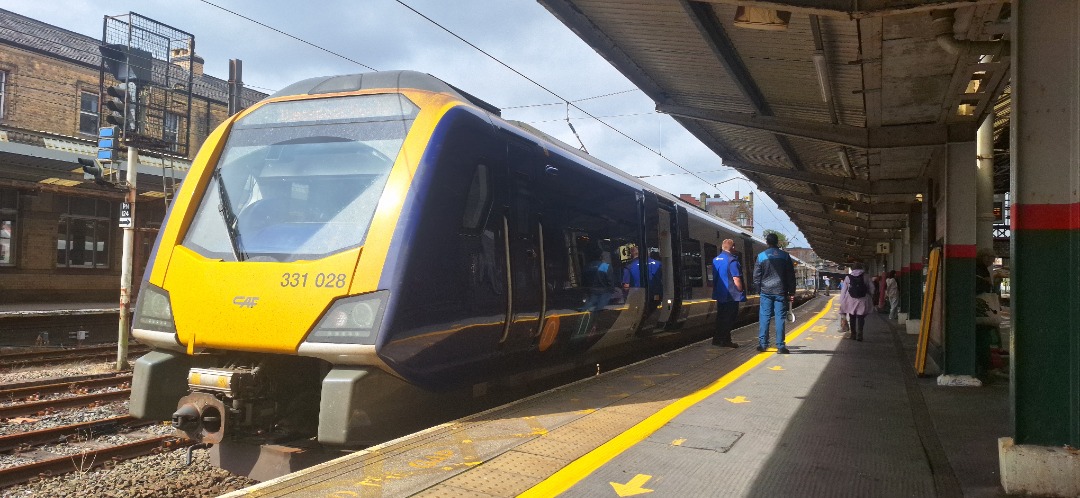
(93, 170)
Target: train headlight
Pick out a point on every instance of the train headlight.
(153, 311)
(351, 320)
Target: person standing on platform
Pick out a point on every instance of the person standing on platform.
(774, 273)
(728, 293)
(892, 294)
(826, 280)
(855, 299)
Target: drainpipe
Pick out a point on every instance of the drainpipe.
(943, 29)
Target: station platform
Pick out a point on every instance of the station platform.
(836, 417)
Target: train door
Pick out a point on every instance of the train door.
(648, 257)
(748, 259)
(525, 229)
(680, 232)
(667, 248)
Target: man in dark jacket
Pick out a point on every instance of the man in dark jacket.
(774, 273)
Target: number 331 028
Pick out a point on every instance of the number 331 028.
(320, 280)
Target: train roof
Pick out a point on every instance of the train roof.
(381, 79)
(625, 177)
(423, 81)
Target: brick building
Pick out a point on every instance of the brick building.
(739, 210)
(59, 239)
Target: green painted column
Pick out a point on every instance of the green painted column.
(959, 262)
(1045, 216)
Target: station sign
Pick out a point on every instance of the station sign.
(883, 248)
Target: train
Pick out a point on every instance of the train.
(356, 251)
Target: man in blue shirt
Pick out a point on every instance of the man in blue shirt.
(775, 277)
(728, 293)
(632, 274)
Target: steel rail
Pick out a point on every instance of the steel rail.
(23, 409)
(64, 433)
(62, 387)
(87, 460)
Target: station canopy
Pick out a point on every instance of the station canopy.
(838, 110)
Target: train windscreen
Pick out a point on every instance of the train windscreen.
(300, 180)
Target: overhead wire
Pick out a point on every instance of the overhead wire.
(565, 100)
(294, 37)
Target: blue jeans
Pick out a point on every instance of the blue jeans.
(774, 307)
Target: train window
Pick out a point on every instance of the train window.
(478, 200)
(691, 261)
(708, 254)
(300, 180)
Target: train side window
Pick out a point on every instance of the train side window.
(478, 200)
(708, 254)
(692, 274)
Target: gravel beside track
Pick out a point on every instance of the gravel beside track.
(164, 475)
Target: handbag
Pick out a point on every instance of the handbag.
(987, 309)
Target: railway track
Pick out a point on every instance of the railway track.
(40, 358)
(74, 385)
(23, 409)
(90, 459)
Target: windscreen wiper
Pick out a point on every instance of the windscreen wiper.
(227, 214)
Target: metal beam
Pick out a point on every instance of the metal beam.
(712, 32)
(862, 207)
(879, 187)
(847, 220)
(857, 9)
(881, 137)
(590, 33)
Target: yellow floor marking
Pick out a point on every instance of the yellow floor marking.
(738, 399)
(633, 486)
(678, 442)
(776, 368)
(819, 328)
(577, 470)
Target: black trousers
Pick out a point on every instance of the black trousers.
(857, 322)
(726, 314)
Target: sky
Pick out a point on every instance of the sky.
(387, 35)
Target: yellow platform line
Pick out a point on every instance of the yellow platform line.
(579, 469)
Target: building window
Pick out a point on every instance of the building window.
(3, 94)
(172, 130)
(743, 221)
(82, 238)
(8, 209)
(88, 113)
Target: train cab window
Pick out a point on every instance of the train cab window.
(300, 179)
(478, 200)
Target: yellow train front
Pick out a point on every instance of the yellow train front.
(354, 250)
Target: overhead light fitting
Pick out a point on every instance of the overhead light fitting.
(841, 207)
(761, 18)
(822, 71)
(845, 162)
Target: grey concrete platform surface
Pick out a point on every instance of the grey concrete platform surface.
(836, 417)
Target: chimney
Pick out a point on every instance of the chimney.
(704, 198)
(737, 196)
(186, 58)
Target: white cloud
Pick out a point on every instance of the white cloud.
(385, 35)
